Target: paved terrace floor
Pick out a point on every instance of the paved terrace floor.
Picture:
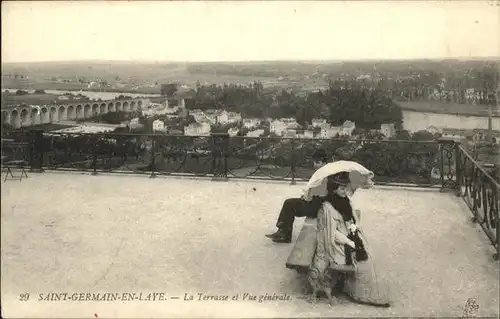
(67, 232)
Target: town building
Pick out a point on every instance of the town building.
(233, 131)
(234, 117)
(348, 127)
(388, 129)
(158, 126)
(197, 129)
(222, 117)
(158, 109)
(290, 133)
(255, 133)
(331, 131)
(433, 130)
(318, 122)
(277, 127)
(250, 123)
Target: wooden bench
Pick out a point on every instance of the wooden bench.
(7, 167)
(13, 158)
(302, 253)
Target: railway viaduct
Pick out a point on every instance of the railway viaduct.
(28, 115)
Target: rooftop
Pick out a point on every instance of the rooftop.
(70, 232)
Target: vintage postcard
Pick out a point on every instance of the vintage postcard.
(250, 159)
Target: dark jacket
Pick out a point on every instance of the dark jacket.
(343, 206)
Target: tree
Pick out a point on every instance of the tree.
(375, 135)
(190, 119)
(358, 131)
(267, 131)
(168, 89)
(243, 131)
(122, 129)
(114, 117)
(368, 108)
(222, 128)
(402, 135)
(306, 113)
(7, 127)
(422, 136)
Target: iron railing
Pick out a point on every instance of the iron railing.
(218, 155)
(481, 192)
(442, 164)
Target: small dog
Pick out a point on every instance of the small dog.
(334, 280)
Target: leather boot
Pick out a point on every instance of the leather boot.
(281, 236)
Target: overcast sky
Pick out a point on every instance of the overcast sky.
(238, 31)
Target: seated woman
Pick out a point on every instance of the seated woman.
(340, 242)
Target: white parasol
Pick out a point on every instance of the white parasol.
(359, 176)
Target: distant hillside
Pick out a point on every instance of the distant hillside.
(147, 76)
(268, 68)
(104, 70)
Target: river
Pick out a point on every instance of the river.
(90, 94)
(412, 120)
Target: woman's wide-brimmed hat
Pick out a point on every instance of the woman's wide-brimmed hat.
(347, 173)
(341, 178)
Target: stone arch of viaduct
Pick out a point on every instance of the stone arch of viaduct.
(27, 115)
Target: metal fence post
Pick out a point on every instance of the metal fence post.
(292, 163)
(449, 180)
(38, 150)
(496, 256)
(496, 176)
(94, 156)
(31, 149)
(459, 170)
(225, 153)
(153, 158)
(220, 152)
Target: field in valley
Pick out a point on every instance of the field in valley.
(146, 78)
(140, 78)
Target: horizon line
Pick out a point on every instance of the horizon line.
(470, 58)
